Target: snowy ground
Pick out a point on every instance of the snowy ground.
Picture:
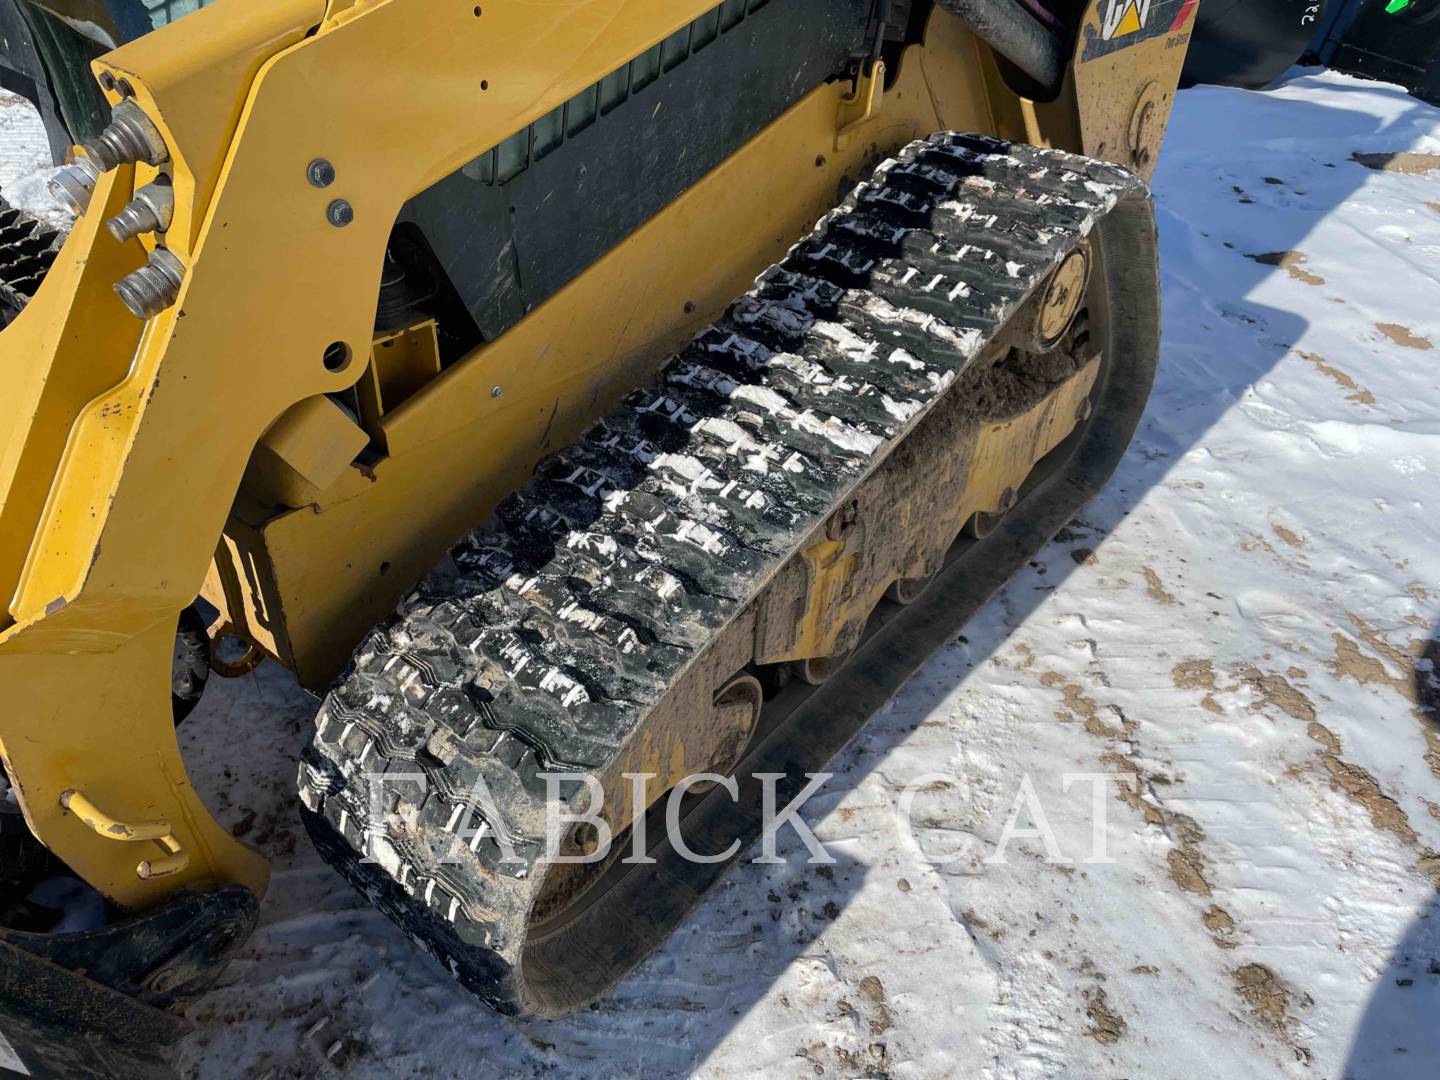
(25, 159)
(1236, 632)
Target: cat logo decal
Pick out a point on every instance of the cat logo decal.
(1123, 17)
(1119, 24)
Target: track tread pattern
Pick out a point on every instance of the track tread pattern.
(543, 640)
(27, 249)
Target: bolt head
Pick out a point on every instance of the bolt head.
(320, 172)
(340, 213)
(496, 391)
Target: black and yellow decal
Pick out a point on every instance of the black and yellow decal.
(1122, 23)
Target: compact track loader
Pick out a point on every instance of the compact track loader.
(485, 365)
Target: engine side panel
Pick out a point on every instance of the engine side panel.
(516, 224)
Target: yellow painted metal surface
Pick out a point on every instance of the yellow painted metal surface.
(1007, 450)
(454, 450)
(830, 601)
(304, 452)
(390, 92)
(860, 107)
(98, 721)
(241, 585)
(1124, 77)
(401, 364)
(122, 449)
(173, 857)
(46, 378)
(203, 72)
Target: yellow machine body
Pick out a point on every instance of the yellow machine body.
(143, 462)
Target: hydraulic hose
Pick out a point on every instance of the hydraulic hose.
(1018, 36)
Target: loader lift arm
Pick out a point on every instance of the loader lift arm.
(107, 418)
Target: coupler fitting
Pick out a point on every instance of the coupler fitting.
(130, 136)
(73, 185)
(153, 288)
(150, 211)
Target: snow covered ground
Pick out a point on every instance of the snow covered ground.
(25, 160)
(1235, 636)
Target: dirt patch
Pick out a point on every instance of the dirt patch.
(973, 919)
(1218, 919)
(1078, 705)
(1361, 787)
(1363, 668)
(1357, 393)
(1357, 783)
(1401, 335)
(1420, 689)
(1015, 382)
(1155, 589)
(873, 1011)
(1403, 161)
(1130, 788)
(1221, 926)
(243, 827)
(868, 1061)
(1265, 993)
(1255, 542)
(1276, 690)
(1145, 969)
(1403, 660)
(873, 989)
(1324, 736)
(1106, 1025)
(1290, 262)
(1287, 536)
(1187, 871)
(1429, 866)
(1186, 862)
(1083, 556)
(1193, 675)
(1198, 675)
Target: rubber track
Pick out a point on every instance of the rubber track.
(27, 249)
(547, 635)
